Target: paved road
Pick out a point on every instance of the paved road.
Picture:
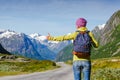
(63, 73)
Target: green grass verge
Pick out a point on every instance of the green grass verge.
(14, 68)
(106, 69)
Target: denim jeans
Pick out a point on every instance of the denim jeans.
(82, 67)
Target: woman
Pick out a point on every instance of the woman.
(81, 64)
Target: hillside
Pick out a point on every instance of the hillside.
(111, 48)
(109, 28)
(97, 31)
(108, 38)
(65, 54)
(109, 41)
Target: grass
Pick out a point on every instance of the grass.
(14, 68)
(106, 69)
(106, 74)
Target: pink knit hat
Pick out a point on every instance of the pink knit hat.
(81, 22)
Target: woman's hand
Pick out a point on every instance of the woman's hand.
(48, 36)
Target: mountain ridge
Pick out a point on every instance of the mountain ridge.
(36, 47)
(111, 24)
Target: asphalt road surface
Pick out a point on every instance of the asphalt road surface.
(63, 73)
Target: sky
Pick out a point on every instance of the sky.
(56, 17)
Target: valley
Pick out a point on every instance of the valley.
(27, 57)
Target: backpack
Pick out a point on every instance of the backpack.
(82, 43)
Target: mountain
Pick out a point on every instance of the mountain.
(54, 46)
(97, 31)
(18, 43)
(43, 50)
(109, 40)
(111, 25)
(21, 44)
(108, 37)
(65, 54)
(3, 51)
(33, 46)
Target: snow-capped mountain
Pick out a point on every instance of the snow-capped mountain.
(22, 44)
(34, 46)
(19, 44)
(7, 33)
(98, 30)
(54, 46)
(101, 26)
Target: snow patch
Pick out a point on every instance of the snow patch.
(7, 34)
(41, 38)
(101, 26)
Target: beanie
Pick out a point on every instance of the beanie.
(81, 22)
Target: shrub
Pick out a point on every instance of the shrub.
(106, 74)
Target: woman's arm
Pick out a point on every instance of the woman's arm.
(62, 38)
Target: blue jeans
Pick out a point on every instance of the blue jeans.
(82, 67)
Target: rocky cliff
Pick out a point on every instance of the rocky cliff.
(110, 26)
